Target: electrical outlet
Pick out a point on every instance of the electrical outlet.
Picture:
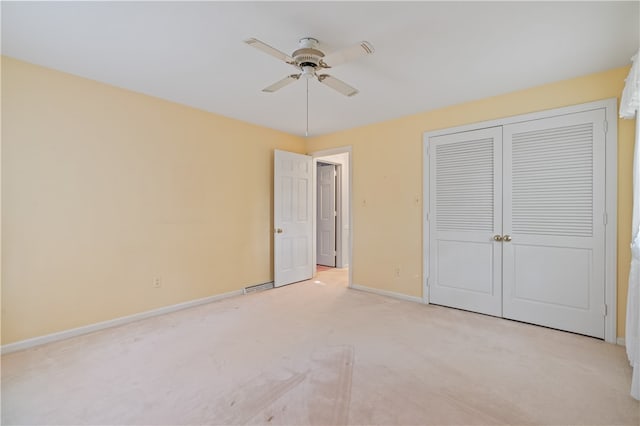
(156, 282)
(398, 272)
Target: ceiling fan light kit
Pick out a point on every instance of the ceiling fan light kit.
(308, 59)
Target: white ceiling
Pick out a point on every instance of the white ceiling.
(428, 54)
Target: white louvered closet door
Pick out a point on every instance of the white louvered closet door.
(465, 199)
(554, 194)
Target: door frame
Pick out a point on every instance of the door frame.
(611, 189)
(317, 157)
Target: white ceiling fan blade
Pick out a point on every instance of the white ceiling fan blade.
(348, 54)
(281, 83)
(338, 85)
(269, 50)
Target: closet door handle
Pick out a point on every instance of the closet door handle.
(506, 238)
(497, 237)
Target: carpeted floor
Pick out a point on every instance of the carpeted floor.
(319, 353)
(322, 268)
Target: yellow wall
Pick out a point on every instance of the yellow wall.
(104, 189)
(387, 178)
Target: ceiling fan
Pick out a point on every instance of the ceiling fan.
(309, 60)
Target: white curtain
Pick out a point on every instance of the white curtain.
(629, 106)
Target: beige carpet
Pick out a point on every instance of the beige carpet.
(319, 353)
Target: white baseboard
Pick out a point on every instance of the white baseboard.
(620, 341)
(66, 334)
(387, 293)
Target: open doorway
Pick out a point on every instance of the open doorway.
(332, 207)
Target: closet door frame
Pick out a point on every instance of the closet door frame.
(611, 189)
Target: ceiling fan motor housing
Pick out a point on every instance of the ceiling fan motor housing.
(307, 55)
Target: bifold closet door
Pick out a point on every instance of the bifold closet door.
(465, 213)
(554, 194)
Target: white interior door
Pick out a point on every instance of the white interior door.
(554, 201)
(327, 215)
(293, 220)
(465, 213)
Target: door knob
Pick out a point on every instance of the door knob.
(497, 237)
(506, 238)
(279, 231)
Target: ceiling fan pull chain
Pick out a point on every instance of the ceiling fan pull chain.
(306, 133)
